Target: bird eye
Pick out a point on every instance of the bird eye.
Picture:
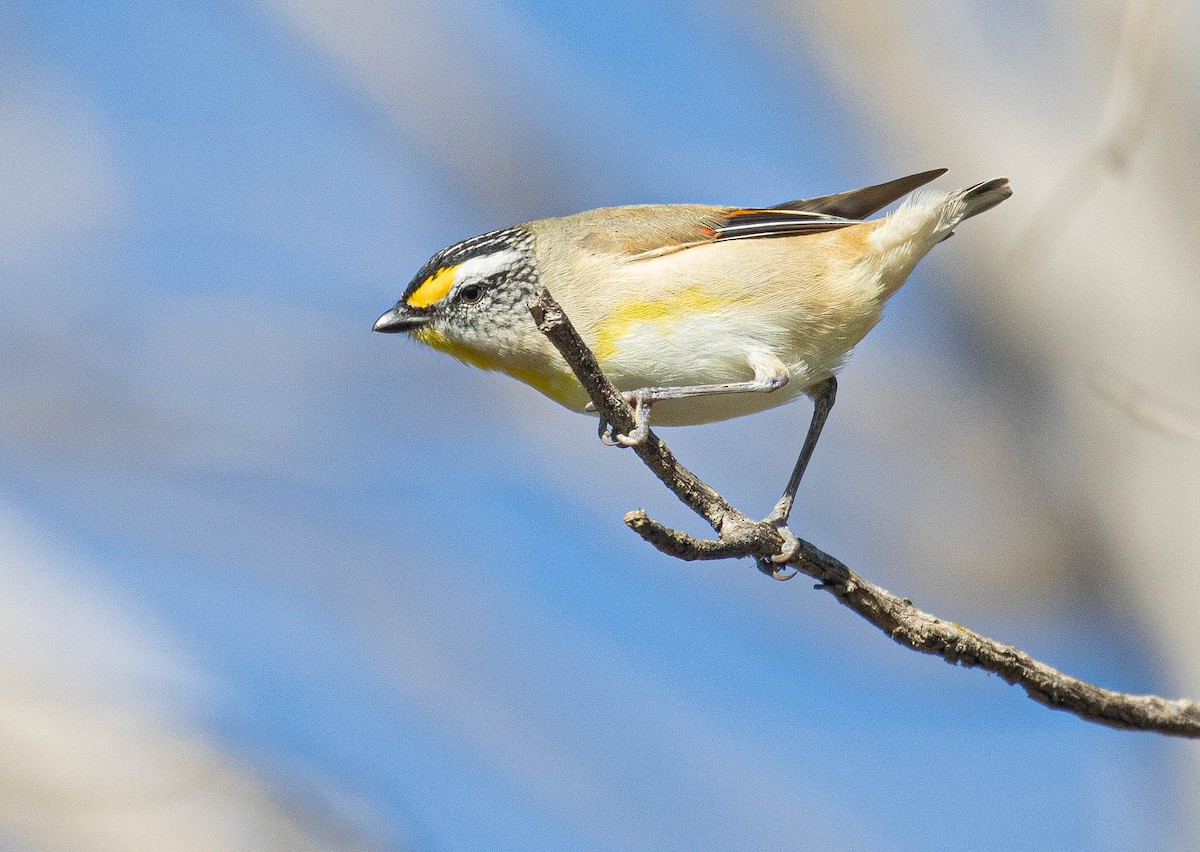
(472, 293)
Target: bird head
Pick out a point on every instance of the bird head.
(470, 299)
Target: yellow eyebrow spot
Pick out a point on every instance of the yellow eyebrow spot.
(434, 288)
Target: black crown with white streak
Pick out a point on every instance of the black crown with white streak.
(515, 238)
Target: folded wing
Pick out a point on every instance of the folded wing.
(642, 232)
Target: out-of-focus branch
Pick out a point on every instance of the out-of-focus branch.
(1117, 134)
(739, 536)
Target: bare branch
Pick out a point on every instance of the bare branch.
(739, 536)
(689, 548)
(684, 484)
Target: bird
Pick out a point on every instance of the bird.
(698, 313)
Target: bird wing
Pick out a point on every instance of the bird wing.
(754, 223)
(820, 214)
(641, 232)
(861, 203)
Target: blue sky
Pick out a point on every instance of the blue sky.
(408, 579)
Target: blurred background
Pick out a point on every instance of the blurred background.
(269, 581)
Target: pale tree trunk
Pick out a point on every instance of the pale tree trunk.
(1087, 289)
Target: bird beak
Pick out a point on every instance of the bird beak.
(395, 321)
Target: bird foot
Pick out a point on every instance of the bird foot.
(641, 403)
(775, 566)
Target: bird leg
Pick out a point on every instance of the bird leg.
(823, 396)
(769, 374)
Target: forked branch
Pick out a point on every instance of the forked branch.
(738, 535)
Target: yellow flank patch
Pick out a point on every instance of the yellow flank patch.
(663, 314)
(434, 288)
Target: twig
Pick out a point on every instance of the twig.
(684, 484)
(740, 536)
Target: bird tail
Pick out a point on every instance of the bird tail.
(925, 219)
(969, 202)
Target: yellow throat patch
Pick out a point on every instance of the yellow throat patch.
(560, 386)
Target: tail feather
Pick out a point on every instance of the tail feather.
(965, 203)
(924, 220)
(983, 196)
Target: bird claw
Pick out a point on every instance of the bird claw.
(774, 571)
(791, 544)
(775, 566)
(609, 437)
(641, 415)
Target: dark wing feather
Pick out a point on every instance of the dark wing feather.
(772, 222)
(642, 232)
(816, 215)
(861, 203)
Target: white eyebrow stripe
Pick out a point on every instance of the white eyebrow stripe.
(486, 265)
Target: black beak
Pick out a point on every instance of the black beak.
(394, 322)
